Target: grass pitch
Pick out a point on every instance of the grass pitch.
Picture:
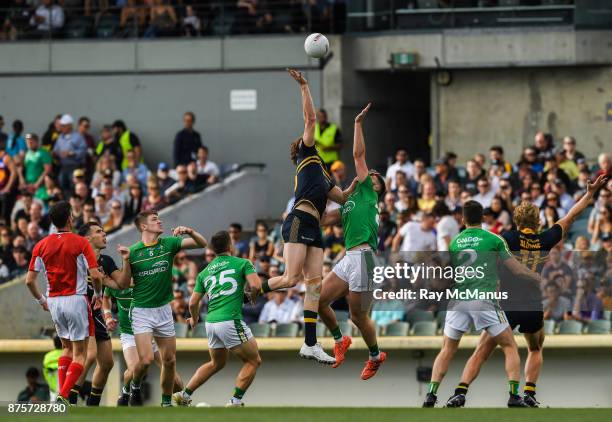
(296, 414)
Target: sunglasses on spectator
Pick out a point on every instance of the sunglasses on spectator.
(87, 209)
(504, 186)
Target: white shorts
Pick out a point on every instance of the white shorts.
(128, 340)
(356, 269)
(71, 316)
(480, 314)
(227, 334)
(158, 321)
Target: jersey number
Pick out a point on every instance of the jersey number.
(224, 278)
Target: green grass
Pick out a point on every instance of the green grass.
(296, 414)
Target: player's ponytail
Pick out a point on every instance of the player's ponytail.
(295, 146)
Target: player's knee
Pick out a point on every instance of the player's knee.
(217, 365)
(147, 360)
(105, 364)
(256, 361)
(169, 360)
(313, 289)
(359, 318)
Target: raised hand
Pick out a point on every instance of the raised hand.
(124, 251)
(181, 230)
(299, 78)
(363, 113)
(598, 183)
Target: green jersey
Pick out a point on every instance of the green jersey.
(34, 165)
(124, 302)
(474, 255)
(152, 271)
(223, 281)
(360, 216)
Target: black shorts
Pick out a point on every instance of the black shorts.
(101, 332)
(302, 227)
(529, 322)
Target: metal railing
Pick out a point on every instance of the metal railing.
(163, 19)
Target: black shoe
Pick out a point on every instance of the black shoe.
(457, 400)
(123, 400)
(430, 400)
(135, 397)
(530, 400)
(516, 401)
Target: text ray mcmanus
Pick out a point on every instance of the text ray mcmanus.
(449, 294)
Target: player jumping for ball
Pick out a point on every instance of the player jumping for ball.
(303, 249)
(352, 276)
(223, 280)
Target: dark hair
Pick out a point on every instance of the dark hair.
(120, 124)
(472, 213)
(293, 150)
(32, 372)
(236, 226)
(221, 242)
(497, 148)
(190, 113)
(381, 181)
(84, 119)
(86, 228)
(262, 224)
(440, 209)
(60, 214)
(204, 147)
(142, 218)
(18, 126)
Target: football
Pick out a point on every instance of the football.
(316, 46)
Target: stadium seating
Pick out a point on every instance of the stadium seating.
(570, 327)
(342, 315)
(260, 330)
(416, 316)
(199, 331)
(600, 326)
(424, 328)
(286, 330)
(549, 326)
(396, 329)
(181, 329)
(346, 328)
(322, 330)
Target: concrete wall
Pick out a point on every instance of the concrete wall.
(508, 106)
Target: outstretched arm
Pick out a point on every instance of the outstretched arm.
(520, 270)
(584, 202)
(197, 240)
(359, 146)
(310, 118)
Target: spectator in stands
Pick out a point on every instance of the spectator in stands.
(556, 267)
(556, 307)
(544, 145)
(36, 165)
(569, 148)
(278, 309)
(442, 175)
(207, 167)
(241, 247)
(389, 206)
(3, 136)
(135, 168)
(386, 231)
(8, 183)
(154, 199)
(566, 201)
(496, 156)
(180, 308)
(587, 305)
(474, 173)
(48, 19)
(191, 23)
(132, 19)
(163, 177)
(605, 165)
(427, 200)
(20, 262)
(71, 150)
(446, 228)
(76, 202)
(195, 181)
(34, 392)
(89, 211)
(182, 187)
(33, 236)
(6, 246)
(162, 20)
(401, 164)
(328, 139)
(185, 267)
(37, 216)
(553, 172)
(209, 256)
(128, 142)
(133, 203)
(406, 201)
(334, 244)
(16, 144)
(489, 221)
(52, 133)
(417, 236)
(568, 166)
(260, 245)
(453, 197)
(414, 181)
(602, 229)
(485, 193)
(116, 217)
(187, 141)
(109, 146)
(106, 172)
(338, 171)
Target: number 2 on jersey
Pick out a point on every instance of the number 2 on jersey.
(224, 279)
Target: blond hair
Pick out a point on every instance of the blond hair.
(527, 215)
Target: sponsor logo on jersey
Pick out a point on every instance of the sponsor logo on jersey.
(348, 207)
(469, 239)
(216, 266)
(158, 267)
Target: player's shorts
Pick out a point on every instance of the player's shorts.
(100, 331)
(529, 322)
(302, 227)
(227, 334)
(158, 321)
(482, 315)
(128, 340)
(72, 316)
(356, 268)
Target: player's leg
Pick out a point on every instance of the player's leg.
(145, 358)
(63, 362)
(218, 359)
(104, 364)
(533, 365)
(167, 351)
(79, 356)
(295, 256)
(130, 355)
(483, 351)
(178, 381)
(248, 353)
(359, 306)
(73, 397)
(333, 289)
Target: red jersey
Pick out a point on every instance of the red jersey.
(63, 259)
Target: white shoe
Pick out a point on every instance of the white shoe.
(232, 403)
(317, 353)
(181, 399)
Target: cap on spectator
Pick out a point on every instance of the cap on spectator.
(162, 167)
(337, 165)
(78, 173)
(66, 119)
(580, 161)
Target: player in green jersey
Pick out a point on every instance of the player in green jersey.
(477, 252)
(352, 276)
(151, 264)
(224, 280)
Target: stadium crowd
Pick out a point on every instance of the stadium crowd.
(106, 181)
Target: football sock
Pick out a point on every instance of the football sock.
(310, 328)
(166, 399)
(238, 393)
(433, 387)
(126, 388)
(513, 387)
(374, 352)
(530, 388)
(462, 388)
(187, 391)
(72, 375)
(95, 396)
(135, 385)
(265, 287)
(73, 396)
(337, 333)
(62, 367)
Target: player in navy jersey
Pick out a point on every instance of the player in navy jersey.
(524, 305)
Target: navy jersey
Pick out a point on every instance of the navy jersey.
(312, 182)
(530, 249)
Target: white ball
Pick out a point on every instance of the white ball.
(316, 46)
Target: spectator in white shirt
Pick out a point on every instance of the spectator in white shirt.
(485, 193)
(401, 163)
(565, 199)
(207, 167)
(447, 226)
(277, 309)
(417, 237)
(47, 17)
